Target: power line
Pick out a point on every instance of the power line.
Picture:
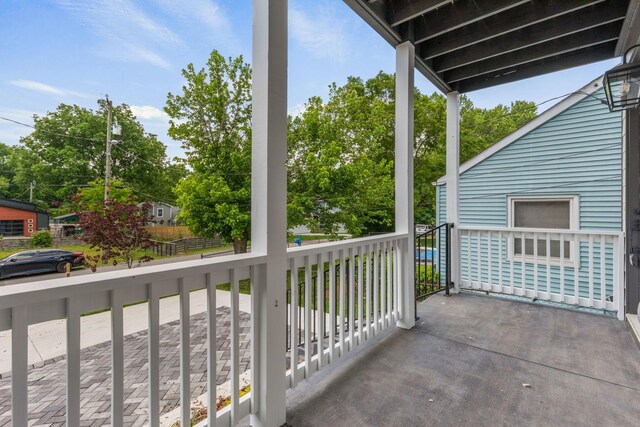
(533, 190)
(542, 103)
(65, 135)
(539, 162)
(149, 195)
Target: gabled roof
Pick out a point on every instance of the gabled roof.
(549, 114)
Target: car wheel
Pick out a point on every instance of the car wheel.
(62, 266)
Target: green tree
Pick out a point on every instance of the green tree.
(341, 159)
(7, 170)
(341, 153)
(91, 197)
(67, 149)
(171, 175)
(212, 120)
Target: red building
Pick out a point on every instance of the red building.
(21, 218)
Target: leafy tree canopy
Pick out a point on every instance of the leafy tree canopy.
(211, 117)
(91, 197)
(66, 150)
(119, 230)
(341, 153)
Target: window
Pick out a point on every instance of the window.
(12, 227)
(547, 212)
(159, 212)
(24, 255)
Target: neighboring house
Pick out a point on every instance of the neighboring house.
(163, 213)
(19, 218)
(64, 225)
(562, 171)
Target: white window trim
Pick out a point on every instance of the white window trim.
(574, 225)
(160, 212)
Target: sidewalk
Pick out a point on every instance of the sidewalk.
(48, 340)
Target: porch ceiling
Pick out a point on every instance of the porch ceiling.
(465, 45)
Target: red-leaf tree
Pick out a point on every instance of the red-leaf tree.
(119, 230)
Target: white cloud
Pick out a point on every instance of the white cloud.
(48, 89)
(206, 11)
(297, 110)
(141, 54)
(322, 34)
(124, 27)
(148, 112)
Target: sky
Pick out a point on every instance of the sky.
(77, 51)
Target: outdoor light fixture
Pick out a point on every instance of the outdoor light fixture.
(622, 84)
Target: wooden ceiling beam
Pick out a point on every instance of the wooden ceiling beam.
(564, 45)
(405, 10)
(494, 26)
(564, 25)
(545, 66)
(459, 14)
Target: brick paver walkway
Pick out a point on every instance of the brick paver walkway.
(47, 384)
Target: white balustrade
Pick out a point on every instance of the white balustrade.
(338, 315)
(580, 268)
(348, 272)
(30, 303)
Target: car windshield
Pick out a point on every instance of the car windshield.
(20, 255)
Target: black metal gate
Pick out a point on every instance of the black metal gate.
(433, 261)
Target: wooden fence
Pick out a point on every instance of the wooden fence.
(182, 246)
(166, 232)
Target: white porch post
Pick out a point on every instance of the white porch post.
(405, 58)
(453, 175)
(268, 211)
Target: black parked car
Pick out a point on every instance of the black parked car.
(39, 261)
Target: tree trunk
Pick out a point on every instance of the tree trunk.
(240, 246)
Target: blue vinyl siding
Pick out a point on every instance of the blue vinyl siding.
(576, 153)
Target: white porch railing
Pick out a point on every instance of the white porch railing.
(583, 268)
(364, 300)
(361, 297)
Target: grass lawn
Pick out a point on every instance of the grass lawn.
(313, 237)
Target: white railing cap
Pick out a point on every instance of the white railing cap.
(12, 295)
(540, 230)
(342, 244)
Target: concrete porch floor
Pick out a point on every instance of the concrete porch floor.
(465, 363)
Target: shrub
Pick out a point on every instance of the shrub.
(426, 275)
(41, 239)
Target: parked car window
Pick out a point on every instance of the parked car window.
(24, 255)
(50, 252)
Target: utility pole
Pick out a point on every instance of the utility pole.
(107, 173)
(31, 187)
